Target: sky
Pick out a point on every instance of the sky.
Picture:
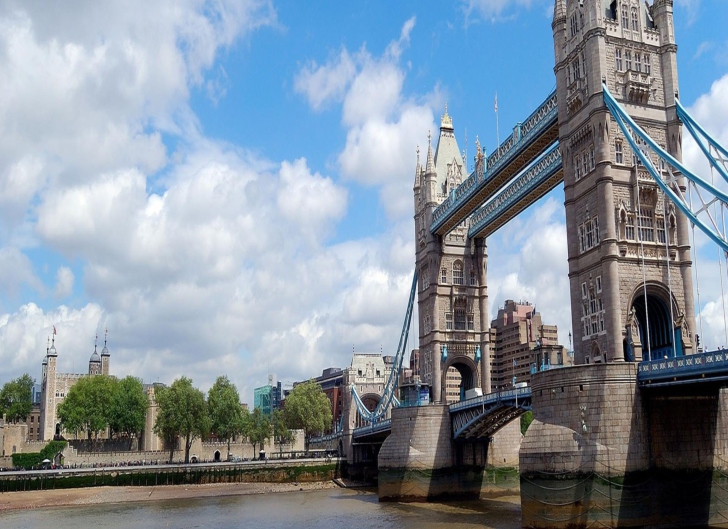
(226, 186)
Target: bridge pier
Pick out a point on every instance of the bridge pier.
(603, 451)
(419, 461)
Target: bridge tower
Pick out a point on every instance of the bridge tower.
(628, 301)
(452, 290)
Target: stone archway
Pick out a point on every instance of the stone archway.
(216, 456)
(468, 371)
(652, 328)
(370, 401)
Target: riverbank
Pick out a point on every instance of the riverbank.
(12, 501)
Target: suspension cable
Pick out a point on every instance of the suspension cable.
(669, 278)
(642, 251)
(720, 212)
(697, 276)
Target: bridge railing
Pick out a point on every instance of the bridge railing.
(522, 134)
(376, 427)
(541, 169)
(684, 365)
(497, 396)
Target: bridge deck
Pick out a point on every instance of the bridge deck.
(521, 148)
(711, 366)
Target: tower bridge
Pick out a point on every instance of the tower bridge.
(643, 409)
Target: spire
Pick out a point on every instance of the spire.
(430, 168)
(446, 120)
(418, 169)
(105, 351)
(559, 9)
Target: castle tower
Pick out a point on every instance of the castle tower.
(105, 356)
(48, 392)
(452, 292)
(628, 301)
(94, 363)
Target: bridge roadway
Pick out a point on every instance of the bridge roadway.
(483, 416)
(528, 140)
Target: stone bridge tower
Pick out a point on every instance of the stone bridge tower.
(628, 247)
(452, 291)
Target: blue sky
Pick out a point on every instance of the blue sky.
(226, 186)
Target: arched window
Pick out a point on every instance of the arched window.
(457, 273)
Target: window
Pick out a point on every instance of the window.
(584, 163)
(583, 290)
(591, 158)
(635, 19)
(574, 24)
(625, 17)
(599, 284)
(645, 224)
(471, 322)
(629, 229)
(589, 234)
(661, 231)
(618, 59)
(577, 167)
(577, 69)
(444, 276)
(618, 153)
(472, 278)
(628, 59)
(460, 320)
(448, 321)
(427, 324)
(601, 322)
(638, 62)
(457, 273)
(425, 278)
(582, 241)
(648, 63)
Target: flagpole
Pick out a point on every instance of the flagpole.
(497, 126)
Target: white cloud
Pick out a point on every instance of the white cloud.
(326, 82)
(64, 282)
(493, 10)
(16, 270)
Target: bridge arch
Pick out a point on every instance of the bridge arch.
(370, 401)
(650, 310)
(468, 372)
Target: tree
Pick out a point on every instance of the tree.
(526, 420)
(308, 408)
(259, 429)
(182, 412)
(87, 407)
(281, 433)
(129, 407)
(16, 398)
(226, 413)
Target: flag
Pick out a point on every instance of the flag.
(495, 104)
(54, 330)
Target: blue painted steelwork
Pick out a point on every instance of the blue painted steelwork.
(701, 136)
(483, 416)
(375, 428)
(543, 118)
(394, 375)
(669, 185)
(540, 172)
(698, 368)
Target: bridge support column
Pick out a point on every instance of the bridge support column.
(419, 461)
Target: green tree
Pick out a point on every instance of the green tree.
(16, 399)
(87, 407)
(226, 413)
(129, 407)
(259, 429)
(281, 433)
(182, 412)
(526, 420)
(309, 409)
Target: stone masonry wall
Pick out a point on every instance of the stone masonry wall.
(587, 418)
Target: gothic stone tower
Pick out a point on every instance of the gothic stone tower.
(452, 292)
(627, 298)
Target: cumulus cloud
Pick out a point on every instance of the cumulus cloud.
(16, 271)
(64, 282)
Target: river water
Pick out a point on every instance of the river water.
(325, 509)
